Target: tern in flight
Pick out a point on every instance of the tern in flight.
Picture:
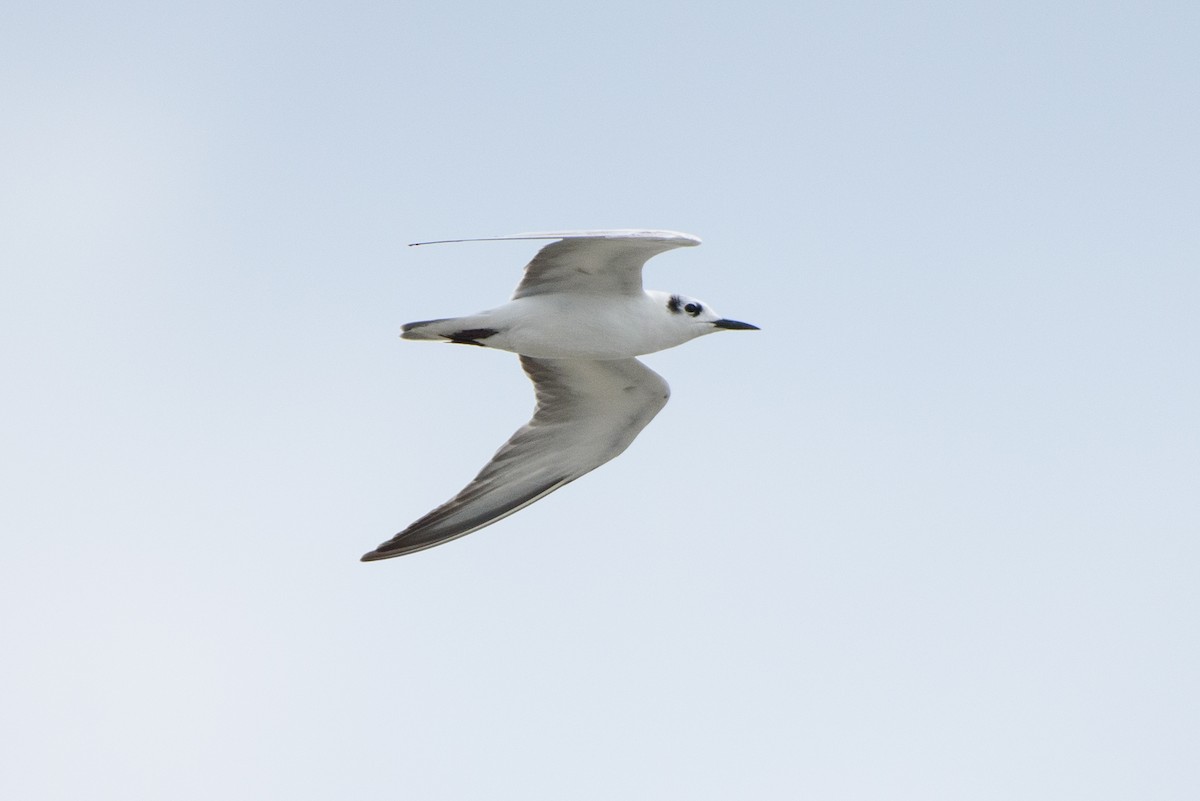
(577, 319)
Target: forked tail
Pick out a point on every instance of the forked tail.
(458, 330)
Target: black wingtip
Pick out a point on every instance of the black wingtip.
(393, 548)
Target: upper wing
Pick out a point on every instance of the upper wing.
(587, 413)
(594, 262)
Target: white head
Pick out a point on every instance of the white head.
(693, 318)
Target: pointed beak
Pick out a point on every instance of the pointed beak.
(734, 325)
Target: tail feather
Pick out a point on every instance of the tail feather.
(460, 330)
(426, 329)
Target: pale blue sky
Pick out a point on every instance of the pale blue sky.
(933, 533)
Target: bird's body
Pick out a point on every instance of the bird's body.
(565, 326)
(578, 318)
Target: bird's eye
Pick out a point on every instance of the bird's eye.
(693, 308)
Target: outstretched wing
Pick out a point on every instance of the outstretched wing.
(591, 262)
(587, 413)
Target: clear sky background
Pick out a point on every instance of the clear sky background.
(933, 533)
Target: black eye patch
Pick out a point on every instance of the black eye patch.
(674, 304)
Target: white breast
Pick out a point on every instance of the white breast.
(584, 327)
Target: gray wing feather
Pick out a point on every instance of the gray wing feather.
(601, 262)
(587, 413)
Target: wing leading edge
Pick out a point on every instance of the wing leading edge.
(589, 262)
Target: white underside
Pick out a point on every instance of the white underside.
(584, 327)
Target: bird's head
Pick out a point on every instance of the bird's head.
(695, 318)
